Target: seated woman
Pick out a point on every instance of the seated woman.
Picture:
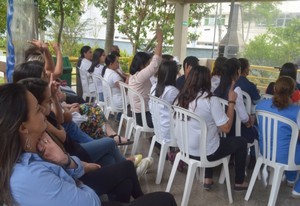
(281, 104)
(33, 159)
(231, 73)
(112, 77)
(196, 96)
(142, 69)
(94, 123)
(216, 72)
(166, 90)
(288, 69)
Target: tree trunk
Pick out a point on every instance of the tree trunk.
(110, 25)
(62, 19)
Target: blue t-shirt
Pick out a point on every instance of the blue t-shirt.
(248, 87)
(283, 131)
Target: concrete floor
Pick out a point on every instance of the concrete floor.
(215, 197)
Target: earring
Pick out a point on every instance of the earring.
(27, 145)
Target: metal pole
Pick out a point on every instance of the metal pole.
(214, 39)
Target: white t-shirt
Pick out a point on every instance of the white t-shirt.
(169, 94)
(240, 106)
(85, 77)
(98, 72)
(212, 112)
(215, 82)
(112, 77)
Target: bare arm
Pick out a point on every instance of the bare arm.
(58, 69)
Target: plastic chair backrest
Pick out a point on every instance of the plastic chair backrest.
(247, 101)
(182, 118)
(124, 88)
(97, 80)
(269, 124)
(132, 96)
(159, 108)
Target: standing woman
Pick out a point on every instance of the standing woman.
(84, 63)
(196, 96)
(141, 69)
(96, 68)
(282, 104)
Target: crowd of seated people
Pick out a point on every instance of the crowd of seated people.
(84, 158)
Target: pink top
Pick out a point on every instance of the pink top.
(141, 83)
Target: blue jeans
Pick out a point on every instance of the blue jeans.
(103, 151)
(75, 133)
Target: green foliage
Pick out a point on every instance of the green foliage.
(261, 12)
(3, 7)
(277, 46)
(136, 19)
(73, 30)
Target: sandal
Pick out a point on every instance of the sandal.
(128, 142)
(241, 187)
(208, 186)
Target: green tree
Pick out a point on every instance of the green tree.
(72, 32)
(110, 25)
(57, 9)
(259, 12)
(277, 46)
(3, 7)
(136, 19)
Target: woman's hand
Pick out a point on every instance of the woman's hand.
(88, 167)
(50, 151)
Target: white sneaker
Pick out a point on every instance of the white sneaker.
(144, 166)
(295, 194)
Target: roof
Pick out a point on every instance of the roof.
(219, 1)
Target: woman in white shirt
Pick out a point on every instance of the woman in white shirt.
(166, 90)
(111, 75)
(96, 68)
(84, 64)
(196, 96)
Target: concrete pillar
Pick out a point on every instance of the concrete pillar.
(181, 30)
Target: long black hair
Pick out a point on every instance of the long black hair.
(166, 75)
(230, 70)
(29, 69)
(111, 58)
(197, 81)
(83, 50)
(95, 60)
(13, 112)
(139, 62)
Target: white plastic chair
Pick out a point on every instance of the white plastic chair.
(109, 106)
(124, 116)
(238, 124)
(269, 125)
(266, 96)
(157, 105)
(100, 103)
(181, 131)
(88, 87)
(133, 95)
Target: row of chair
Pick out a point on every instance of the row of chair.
(180, 117)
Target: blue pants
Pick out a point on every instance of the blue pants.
(103, 151)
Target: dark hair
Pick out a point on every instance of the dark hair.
(218, 67)
(28, 69)
(166, 75)
(33, 53)
(197, 81)
(167, 57)
(36, 86)
(230, 70)
(83, 50)
(108, 60)
(13, 112)
(95, 60)
(288, 69)
(115, 53)
(283, 89)
(190, 61)
(139, 62)
(244, 64)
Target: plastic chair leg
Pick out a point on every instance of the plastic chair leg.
(173, 172)
(136, 141)
(276, 185)
(152, 146)
(161, 163)
(253, 177)
(188, 184)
